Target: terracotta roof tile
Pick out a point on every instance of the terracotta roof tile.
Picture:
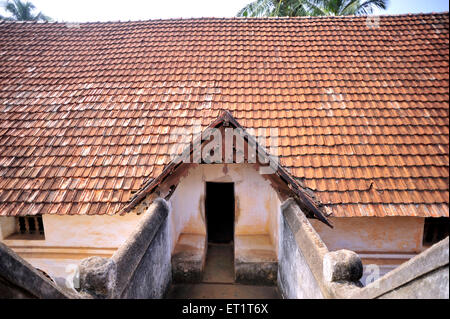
(362, 118)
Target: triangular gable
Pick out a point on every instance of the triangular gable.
(309, 204)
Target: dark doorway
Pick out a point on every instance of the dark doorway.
(220, 212)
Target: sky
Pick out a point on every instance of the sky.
(112, 10)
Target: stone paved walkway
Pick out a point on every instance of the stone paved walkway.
(218, 280)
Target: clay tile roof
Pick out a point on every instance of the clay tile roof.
(362, 109)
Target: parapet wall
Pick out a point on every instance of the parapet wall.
(140, 268)
(295, 277)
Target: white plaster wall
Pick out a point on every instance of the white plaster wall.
(68, 239)
(7, 226)
(89, 231)
(96, 231)
(274, 227)
(373, 234)
(257, 204)
(383, 243)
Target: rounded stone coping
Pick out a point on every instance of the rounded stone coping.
(342, 265)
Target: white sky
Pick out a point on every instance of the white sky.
(113, 10)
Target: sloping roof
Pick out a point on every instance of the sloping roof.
(362, 108)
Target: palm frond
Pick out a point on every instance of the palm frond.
(367, 6)
(258, 8)
(280, 8)
(23, 11)
(351, 7)
(11, 8)
(314, 7)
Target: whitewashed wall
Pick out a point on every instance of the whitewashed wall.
(385, 242)
(373, 234)
(257, 207)
(69, 239)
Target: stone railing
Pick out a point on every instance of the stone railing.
(18, 279)
(140, 268)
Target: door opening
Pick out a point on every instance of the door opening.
(219, 207)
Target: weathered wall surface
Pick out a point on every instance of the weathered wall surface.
(256, 202)
(373, 234)
(153, 276)
(68, 239)
(295, 279)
